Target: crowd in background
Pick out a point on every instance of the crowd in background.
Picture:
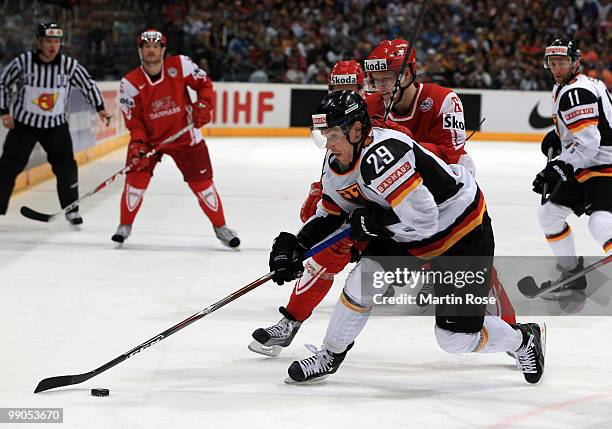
(495, 44)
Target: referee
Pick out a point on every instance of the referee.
(44, 78)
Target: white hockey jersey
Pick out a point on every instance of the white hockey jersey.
(430, 205)
(582, 112)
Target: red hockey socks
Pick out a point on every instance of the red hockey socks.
(135, 186)
(209, 200)
(318, 278)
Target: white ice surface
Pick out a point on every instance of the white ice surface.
(70, 302)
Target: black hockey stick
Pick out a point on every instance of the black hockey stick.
(477, 128)
(67, 380)
(545, 197)
(400, 75)
(528, 286)
(43, 217)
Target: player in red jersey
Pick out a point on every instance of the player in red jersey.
(433, 113)
(156, 104)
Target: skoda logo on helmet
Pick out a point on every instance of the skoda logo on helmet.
(379, 64)
(344, 79)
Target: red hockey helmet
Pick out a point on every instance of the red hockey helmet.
(151, 35)
(388, 55)
(346, 73)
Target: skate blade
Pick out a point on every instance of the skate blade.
(317, 380)
(271, 351)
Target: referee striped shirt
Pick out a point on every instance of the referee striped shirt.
(43, 89)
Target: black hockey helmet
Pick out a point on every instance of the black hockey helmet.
(341, 109)
(49, 29)
(561, 48)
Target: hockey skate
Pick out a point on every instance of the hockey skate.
(317, 367)
(74, 219)
(227, 236)
(123, 232)
(568, 290)
(271, 341)
(530, 356)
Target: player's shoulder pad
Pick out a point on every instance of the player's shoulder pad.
(435, 90)
(576, 96)
(381, 156)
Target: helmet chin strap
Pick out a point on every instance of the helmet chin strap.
(402, 89)
(572, 74)
(357, 146)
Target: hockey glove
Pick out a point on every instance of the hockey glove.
(309, 207)
(551, 140)
(367, 223)
(555, 173)
(135, 155)
(286, 258)
(202, 114)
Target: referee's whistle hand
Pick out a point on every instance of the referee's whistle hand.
(104, 117)
(7, 121)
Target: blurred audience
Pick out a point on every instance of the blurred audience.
(463, 43)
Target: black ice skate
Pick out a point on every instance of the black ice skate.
(227, 236)
(530, 356)
(123, 232)
(317, 367)
(271, 341)
(567, 290)
(74, 219)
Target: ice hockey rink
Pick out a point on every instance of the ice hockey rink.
(71, 301)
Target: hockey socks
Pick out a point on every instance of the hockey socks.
(318, 278)
(600, 225)
(135, 186)
(347, 321)
(495, 336)
(209, 201)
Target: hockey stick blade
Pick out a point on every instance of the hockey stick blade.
(62, 380)
(34, 215)
(528, 287)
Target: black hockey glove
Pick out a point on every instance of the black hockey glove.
(367, 223)
(554, 173)
(551, 140)
(286, 258)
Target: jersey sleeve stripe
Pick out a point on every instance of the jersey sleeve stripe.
(608, 246)
(402, 191)
(582, 124)
(588, 173)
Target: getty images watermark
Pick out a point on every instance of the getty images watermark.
(453, 287)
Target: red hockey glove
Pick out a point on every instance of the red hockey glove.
(135, 155)
(202, 114)
(309, 207)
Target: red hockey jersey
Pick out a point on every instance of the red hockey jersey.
(154, 111)
(435, 118)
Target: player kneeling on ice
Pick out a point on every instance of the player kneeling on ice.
(404, 202)
(155, 104)
(580, 177)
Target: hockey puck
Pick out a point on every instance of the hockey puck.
(99, 392)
